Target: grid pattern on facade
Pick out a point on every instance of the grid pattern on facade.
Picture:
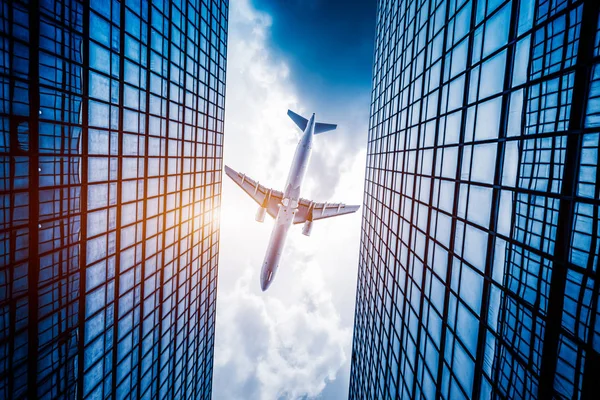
(477, 274)
(111, 157)
(41, 198)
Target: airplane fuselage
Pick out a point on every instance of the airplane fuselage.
(289, 205)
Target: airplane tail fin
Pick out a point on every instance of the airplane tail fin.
(321, 127)
(302, 122)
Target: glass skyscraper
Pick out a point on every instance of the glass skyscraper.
(111, 132)
(478, 273)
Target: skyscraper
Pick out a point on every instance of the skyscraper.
(478, 273)
(111, 121)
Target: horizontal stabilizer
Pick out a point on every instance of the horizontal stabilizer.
(321, 127)
(300, 121)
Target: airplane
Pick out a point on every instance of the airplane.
(288, 207)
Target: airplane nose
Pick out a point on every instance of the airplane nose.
(266, 277)
(264, 284)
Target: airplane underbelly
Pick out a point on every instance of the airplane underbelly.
(297, 172)
(275, 247)
(276, 244)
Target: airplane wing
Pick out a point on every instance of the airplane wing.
(265, 197)
(309, 210)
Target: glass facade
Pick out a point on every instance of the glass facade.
(111, 132)
(478, 273)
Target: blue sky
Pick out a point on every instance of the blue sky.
(294, 340)
(328, 45)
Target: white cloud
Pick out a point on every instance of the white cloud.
(269, 349)
(293, 340)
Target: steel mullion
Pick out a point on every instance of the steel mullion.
(496, 192)
(179, 205)
(144, 201)
(426, 234)
(592, 360)
(569, 188)
(119, 205)
(10, 229)
(406, 131)
(33, 264)
(164, 38)
(448, 278)
(196, 328)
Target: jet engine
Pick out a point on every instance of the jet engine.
(307, 229)
(260, 214)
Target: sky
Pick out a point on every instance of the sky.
(293, 341)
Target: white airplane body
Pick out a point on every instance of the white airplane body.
(288, 208)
